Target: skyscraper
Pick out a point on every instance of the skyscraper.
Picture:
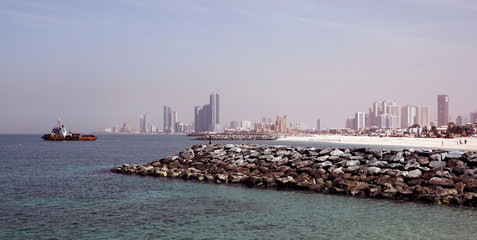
(207, 117)
(144, 123)
(360, 120)
(141, 124)
(318, 125)
(170, 120)
(167, 119)
(423, 116)
(442, 109)
(408, 116)
(214, 123)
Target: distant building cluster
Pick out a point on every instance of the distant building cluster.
(279, 126)
(207, 117)
(171, 123)
(389, 115)
(146, 126)
(383, 117)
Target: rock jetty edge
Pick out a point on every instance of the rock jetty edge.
(436, 176)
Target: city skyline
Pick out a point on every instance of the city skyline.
(96, 65)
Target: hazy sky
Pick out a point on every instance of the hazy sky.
(96, 64)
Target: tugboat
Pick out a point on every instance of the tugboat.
(59, 133)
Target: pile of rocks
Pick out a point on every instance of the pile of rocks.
(239, 137)
(434, 176)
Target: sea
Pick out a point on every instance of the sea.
(65, 190)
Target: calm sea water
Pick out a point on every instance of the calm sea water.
(64, 190)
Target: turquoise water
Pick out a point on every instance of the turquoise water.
(65, 190)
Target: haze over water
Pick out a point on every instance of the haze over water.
(98, 64)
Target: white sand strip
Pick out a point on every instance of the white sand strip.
(432, 143)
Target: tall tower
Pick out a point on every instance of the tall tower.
(214, 116)
(144, 124)
(167, 119)
(442, 109)
(141, 124)
(360, 120)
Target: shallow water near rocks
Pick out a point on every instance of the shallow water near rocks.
(65, 190)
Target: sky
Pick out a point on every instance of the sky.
(96, 64)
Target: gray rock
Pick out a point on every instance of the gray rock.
(356, 158)
(352, 168)
(325, 151)
(437, 164)
(338, 170)
(322, 158)
(414, 174)
(237, 149)
(373, 170)
(396, 165)
(436, 157)
(379, 164)
(445, 174)
(352, 163)
(412, 165)
(336, 152)
(454, 154)
(326, 164)
(397, 157)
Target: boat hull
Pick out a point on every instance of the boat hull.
(49, 137)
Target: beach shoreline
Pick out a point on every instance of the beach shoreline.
(430, 143)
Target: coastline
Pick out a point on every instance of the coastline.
(427, 143)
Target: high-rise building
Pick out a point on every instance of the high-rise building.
(408, 116)
(396, 111)
(207, 117)
(144, 123)
(170, 120)
(360, 120)
(423, 116)
(141, 124)
(318, 125)
(380, 108)
(167, 123)
(174, 121)
(214, 123)
(388, 121)
(473, 117)
(442, 109)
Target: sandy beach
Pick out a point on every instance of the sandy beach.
(433, 143)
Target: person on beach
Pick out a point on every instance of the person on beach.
(465, 141)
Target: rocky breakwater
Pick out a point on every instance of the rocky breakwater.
(433, 176)
(238, 137)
